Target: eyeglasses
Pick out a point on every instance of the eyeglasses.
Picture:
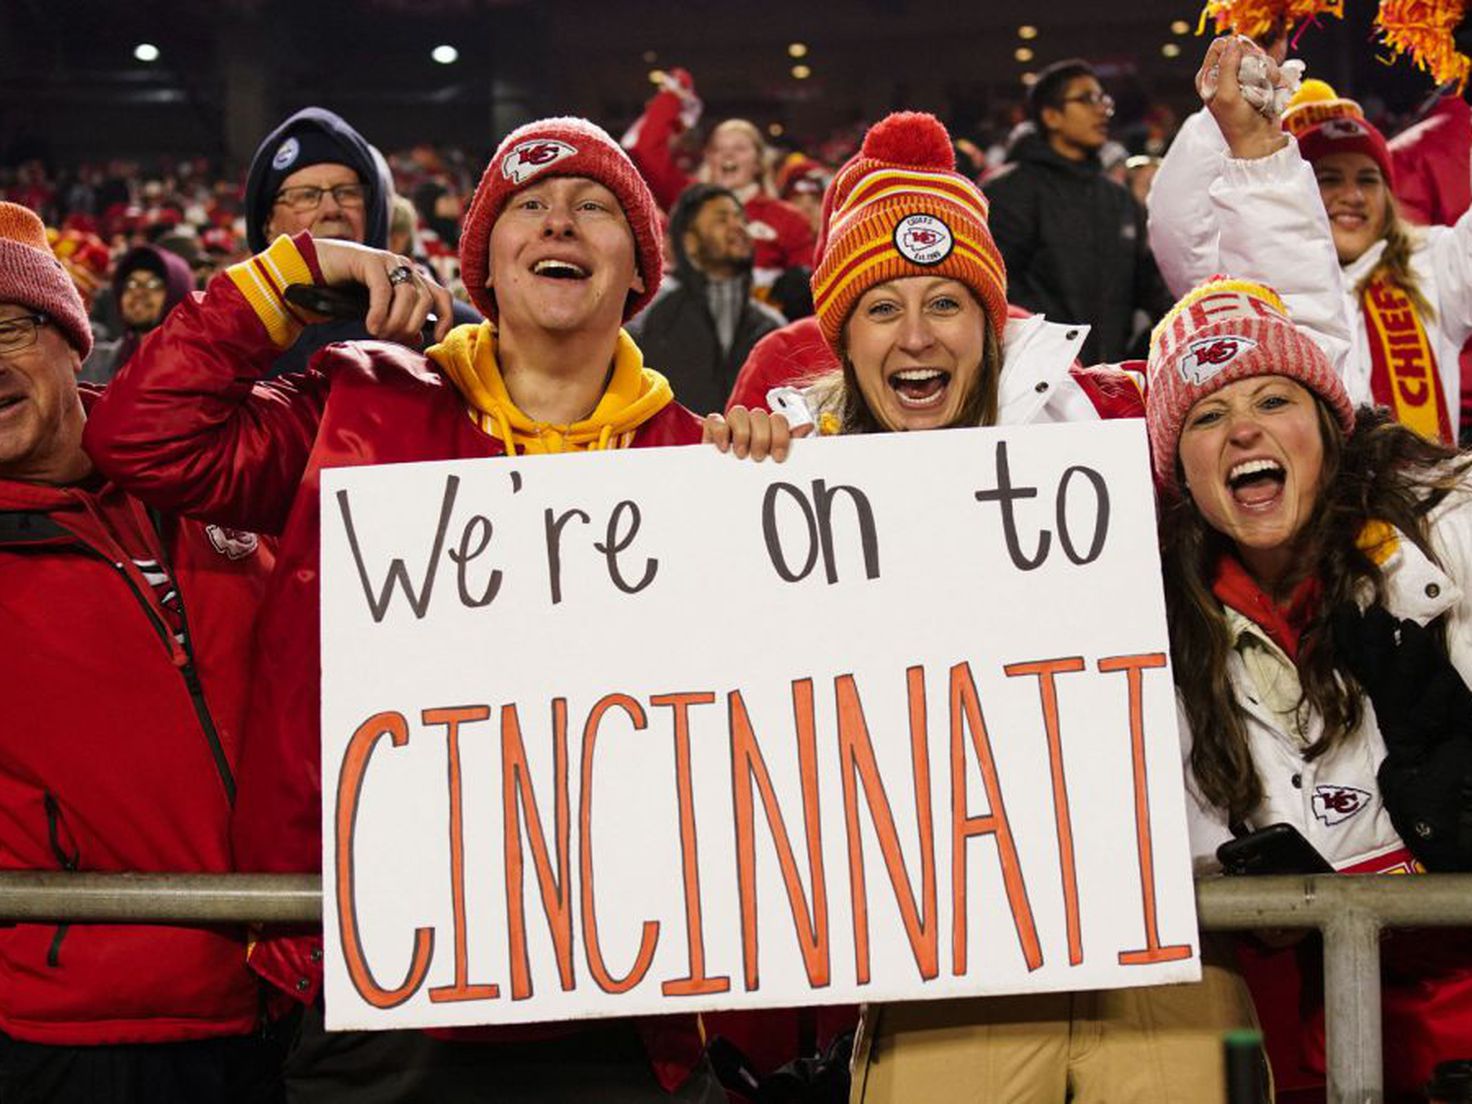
(20, 332)
(1093, 99)
(143, 281)
(308, 197)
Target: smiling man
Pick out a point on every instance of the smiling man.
(1073, 239)
(560, 247)
(122, 723)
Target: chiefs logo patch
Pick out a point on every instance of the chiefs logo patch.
(1207, 356)
(534, 156)
(923, 239)
(1340, 129)
(234, 544)
(1336, 804)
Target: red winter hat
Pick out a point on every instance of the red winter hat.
(899, 208)
(559, 147)
(1324, 122)
(31, 275)
(1223, 331)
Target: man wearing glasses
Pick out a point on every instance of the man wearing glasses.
(1074, 240)
(315, 173)
(123, 663)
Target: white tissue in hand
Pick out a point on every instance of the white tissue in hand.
(1268, 99)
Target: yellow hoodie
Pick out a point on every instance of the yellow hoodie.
(633, 396)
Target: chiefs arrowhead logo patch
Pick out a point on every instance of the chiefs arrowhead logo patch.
(1340, 129)
(1336, 804)
(1207, 356)
(923, 239)
(524, 161)
(234, 544)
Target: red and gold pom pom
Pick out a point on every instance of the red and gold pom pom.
(1423, 31)
(1263, 20)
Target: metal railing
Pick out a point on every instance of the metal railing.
(1349, 911)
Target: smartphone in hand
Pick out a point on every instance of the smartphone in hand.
(1276, 849)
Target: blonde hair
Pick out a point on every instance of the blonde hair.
(749, 130)
(1401, 242)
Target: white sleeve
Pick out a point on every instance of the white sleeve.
(1205, 824)
(1273, 229)
(1182, 226)
(1451, 260)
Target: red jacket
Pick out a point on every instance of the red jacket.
(118, 754)
(188, 427)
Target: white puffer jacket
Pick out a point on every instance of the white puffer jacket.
(1334, 800)
(1190, 243)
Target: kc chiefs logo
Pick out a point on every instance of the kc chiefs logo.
(233, 544)
(1335, 804)
(1340, 129)
(1207, 356)
(923, 239)
(531, 157)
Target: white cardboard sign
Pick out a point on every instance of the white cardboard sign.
(660, 730)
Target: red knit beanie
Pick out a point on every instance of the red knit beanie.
(900, 208)
(1223, 331)
(31, 275)
(559, 147)
(1323, 122)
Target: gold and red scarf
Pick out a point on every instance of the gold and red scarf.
(1403, 374)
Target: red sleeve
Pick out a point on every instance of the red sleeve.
(650, 150)
(1117, 391)
(188, 428)
(794, 354)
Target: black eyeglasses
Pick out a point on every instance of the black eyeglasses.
(308, 197)
(20, 332)
(1093, 99)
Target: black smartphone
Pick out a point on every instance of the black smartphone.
(345, 301)
(1276, 849)
(342, 301)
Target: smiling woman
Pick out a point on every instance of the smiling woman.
(1281, 506)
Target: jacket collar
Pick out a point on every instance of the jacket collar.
(1036, 356)
(1415, 587)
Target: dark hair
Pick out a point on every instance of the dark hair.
(1382, 472)
(689, 203)
(1052, 85)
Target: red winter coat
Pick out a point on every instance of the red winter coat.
(117, 754)
(189, 427)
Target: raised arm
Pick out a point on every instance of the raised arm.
(187, 425)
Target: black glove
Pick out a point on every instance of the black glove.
(1420, 699)
(1424, 710)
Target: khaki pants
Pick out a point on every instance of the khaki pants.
(1156, 1045)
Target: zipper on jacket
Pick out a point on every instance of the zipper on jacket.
(186, 669)
(191, 673)
(68, 862)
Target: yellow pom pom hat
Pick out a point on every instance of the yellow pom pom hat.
(1324, 122)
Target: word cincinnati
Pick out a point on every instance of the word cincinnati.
(568, 897)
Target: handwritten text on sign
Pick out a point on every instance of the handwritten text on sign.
(661, 730)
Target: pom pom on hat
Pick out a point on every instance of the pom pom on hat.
(910, 138)
(1324, 122)
(897, 209)
(31, 275)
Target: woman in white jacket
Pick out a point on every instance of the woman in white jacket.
(1407, 292)
(1280, 504)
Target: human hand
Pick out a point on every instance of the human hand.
(400, 297)
(753, 433)
(1234, 73)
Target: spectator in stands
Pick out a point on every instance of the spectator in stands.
(736, 158)
(1073, 239)
(1281, 505)
(148, 283)
(1407, 291)
(122, 723)
(703, 323)
(315, 173)
(560, 247)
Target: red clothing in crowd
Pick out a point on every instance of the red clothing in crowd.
(125, 661)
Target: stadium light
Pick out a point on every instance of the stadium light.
(445, 55)
(145, 51)
(1022, 53)
(797, 50)
(1027, 31)
(801, 72)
